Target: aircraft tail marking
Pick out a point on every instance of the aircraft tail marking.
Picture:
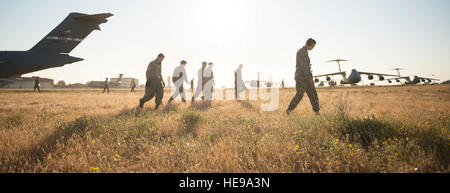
(71, 32)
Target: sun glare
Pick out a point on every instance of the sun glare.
(221, 18)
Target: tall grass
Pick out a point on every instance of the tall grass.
(225, 136)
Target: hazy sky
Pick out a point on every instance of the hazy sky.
(264, 35)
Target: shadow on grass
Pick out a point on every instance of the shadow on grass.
(366, 131)
(39, 151)
(246, 104)
(189, 122)
(201, 106)
(169, 107)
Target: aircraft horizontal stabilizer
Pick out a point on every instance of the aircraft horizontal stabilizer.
(98, 18)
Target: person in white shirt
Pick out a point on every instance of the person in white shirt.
(239, 84)
(208, 77)
(178, 77)
(200, 82)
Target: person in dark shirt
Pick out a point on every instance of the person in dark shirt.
(133, 85)
(106, 86)
(153, 86)
(304, 80)
(36, 85)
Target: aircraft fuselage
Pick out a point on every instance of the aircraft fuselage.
(353, 78)
(16, 63)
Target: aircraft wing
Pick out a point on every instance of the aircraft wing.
(428, 78)
(378, 74)
(332, 74)
(397, 78)
(409, 79)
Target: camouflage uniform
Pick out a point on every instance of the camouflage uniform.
(303, 78)
(153, 86)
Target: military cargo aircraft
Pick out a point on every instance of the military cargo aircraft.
(416, 79)
(101, 84)
(53, 50)
(353, 78)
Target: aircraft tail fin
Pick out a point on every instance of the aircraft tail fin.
(69, 33)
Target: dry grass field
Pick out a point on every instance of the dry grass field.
(367, 129)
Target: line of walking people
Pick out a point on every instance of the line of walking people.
(205, 82)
